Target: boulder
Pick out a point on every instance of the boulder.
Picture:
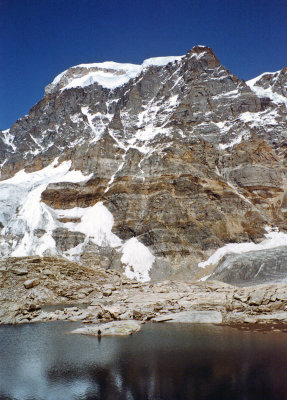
(107, 292)
(30, 283)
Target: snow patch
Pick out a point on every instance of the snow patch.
(153, 115)
(259, 119)
(273, 239)
(113, 176)
(59, 77)
(76, 118)
(268, 92)
(200, 55)
(253, 81)
(160, 61)
(105, 79)
(74, 253)
(96, 223)
(97, 132)
(204, 278)
(138, 260)
(232, 94)
(235, 141)
(49, 174)
(8, 139)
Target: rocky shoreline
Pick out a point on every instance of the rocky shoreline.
(37, 289)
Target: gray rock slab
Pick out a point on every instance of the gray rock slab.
(193, 317)
(114, 328)
(19, 271)
(253, 267)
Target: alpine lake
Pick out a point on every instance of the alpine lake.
(43, 361)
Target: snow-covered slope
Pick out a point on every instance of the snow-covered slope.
(22, 212)
(272, 85)
(108, 74)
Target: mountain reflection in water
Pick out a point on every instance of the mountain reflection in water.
(163, 362)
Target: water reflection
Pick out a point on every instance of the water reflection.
(164, 362)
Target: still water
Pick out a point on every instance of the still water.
(162, 362)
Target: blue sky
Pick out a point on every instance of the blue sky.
(41, 38)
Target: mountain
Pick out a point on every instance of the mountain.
(155, 169)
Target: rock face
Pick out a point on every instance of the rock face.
(146, 169)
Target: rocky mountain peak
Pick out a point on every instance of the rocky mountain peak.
(149, 167)
(205, 54)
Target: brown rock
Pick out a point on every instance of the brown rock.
(30, 283)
